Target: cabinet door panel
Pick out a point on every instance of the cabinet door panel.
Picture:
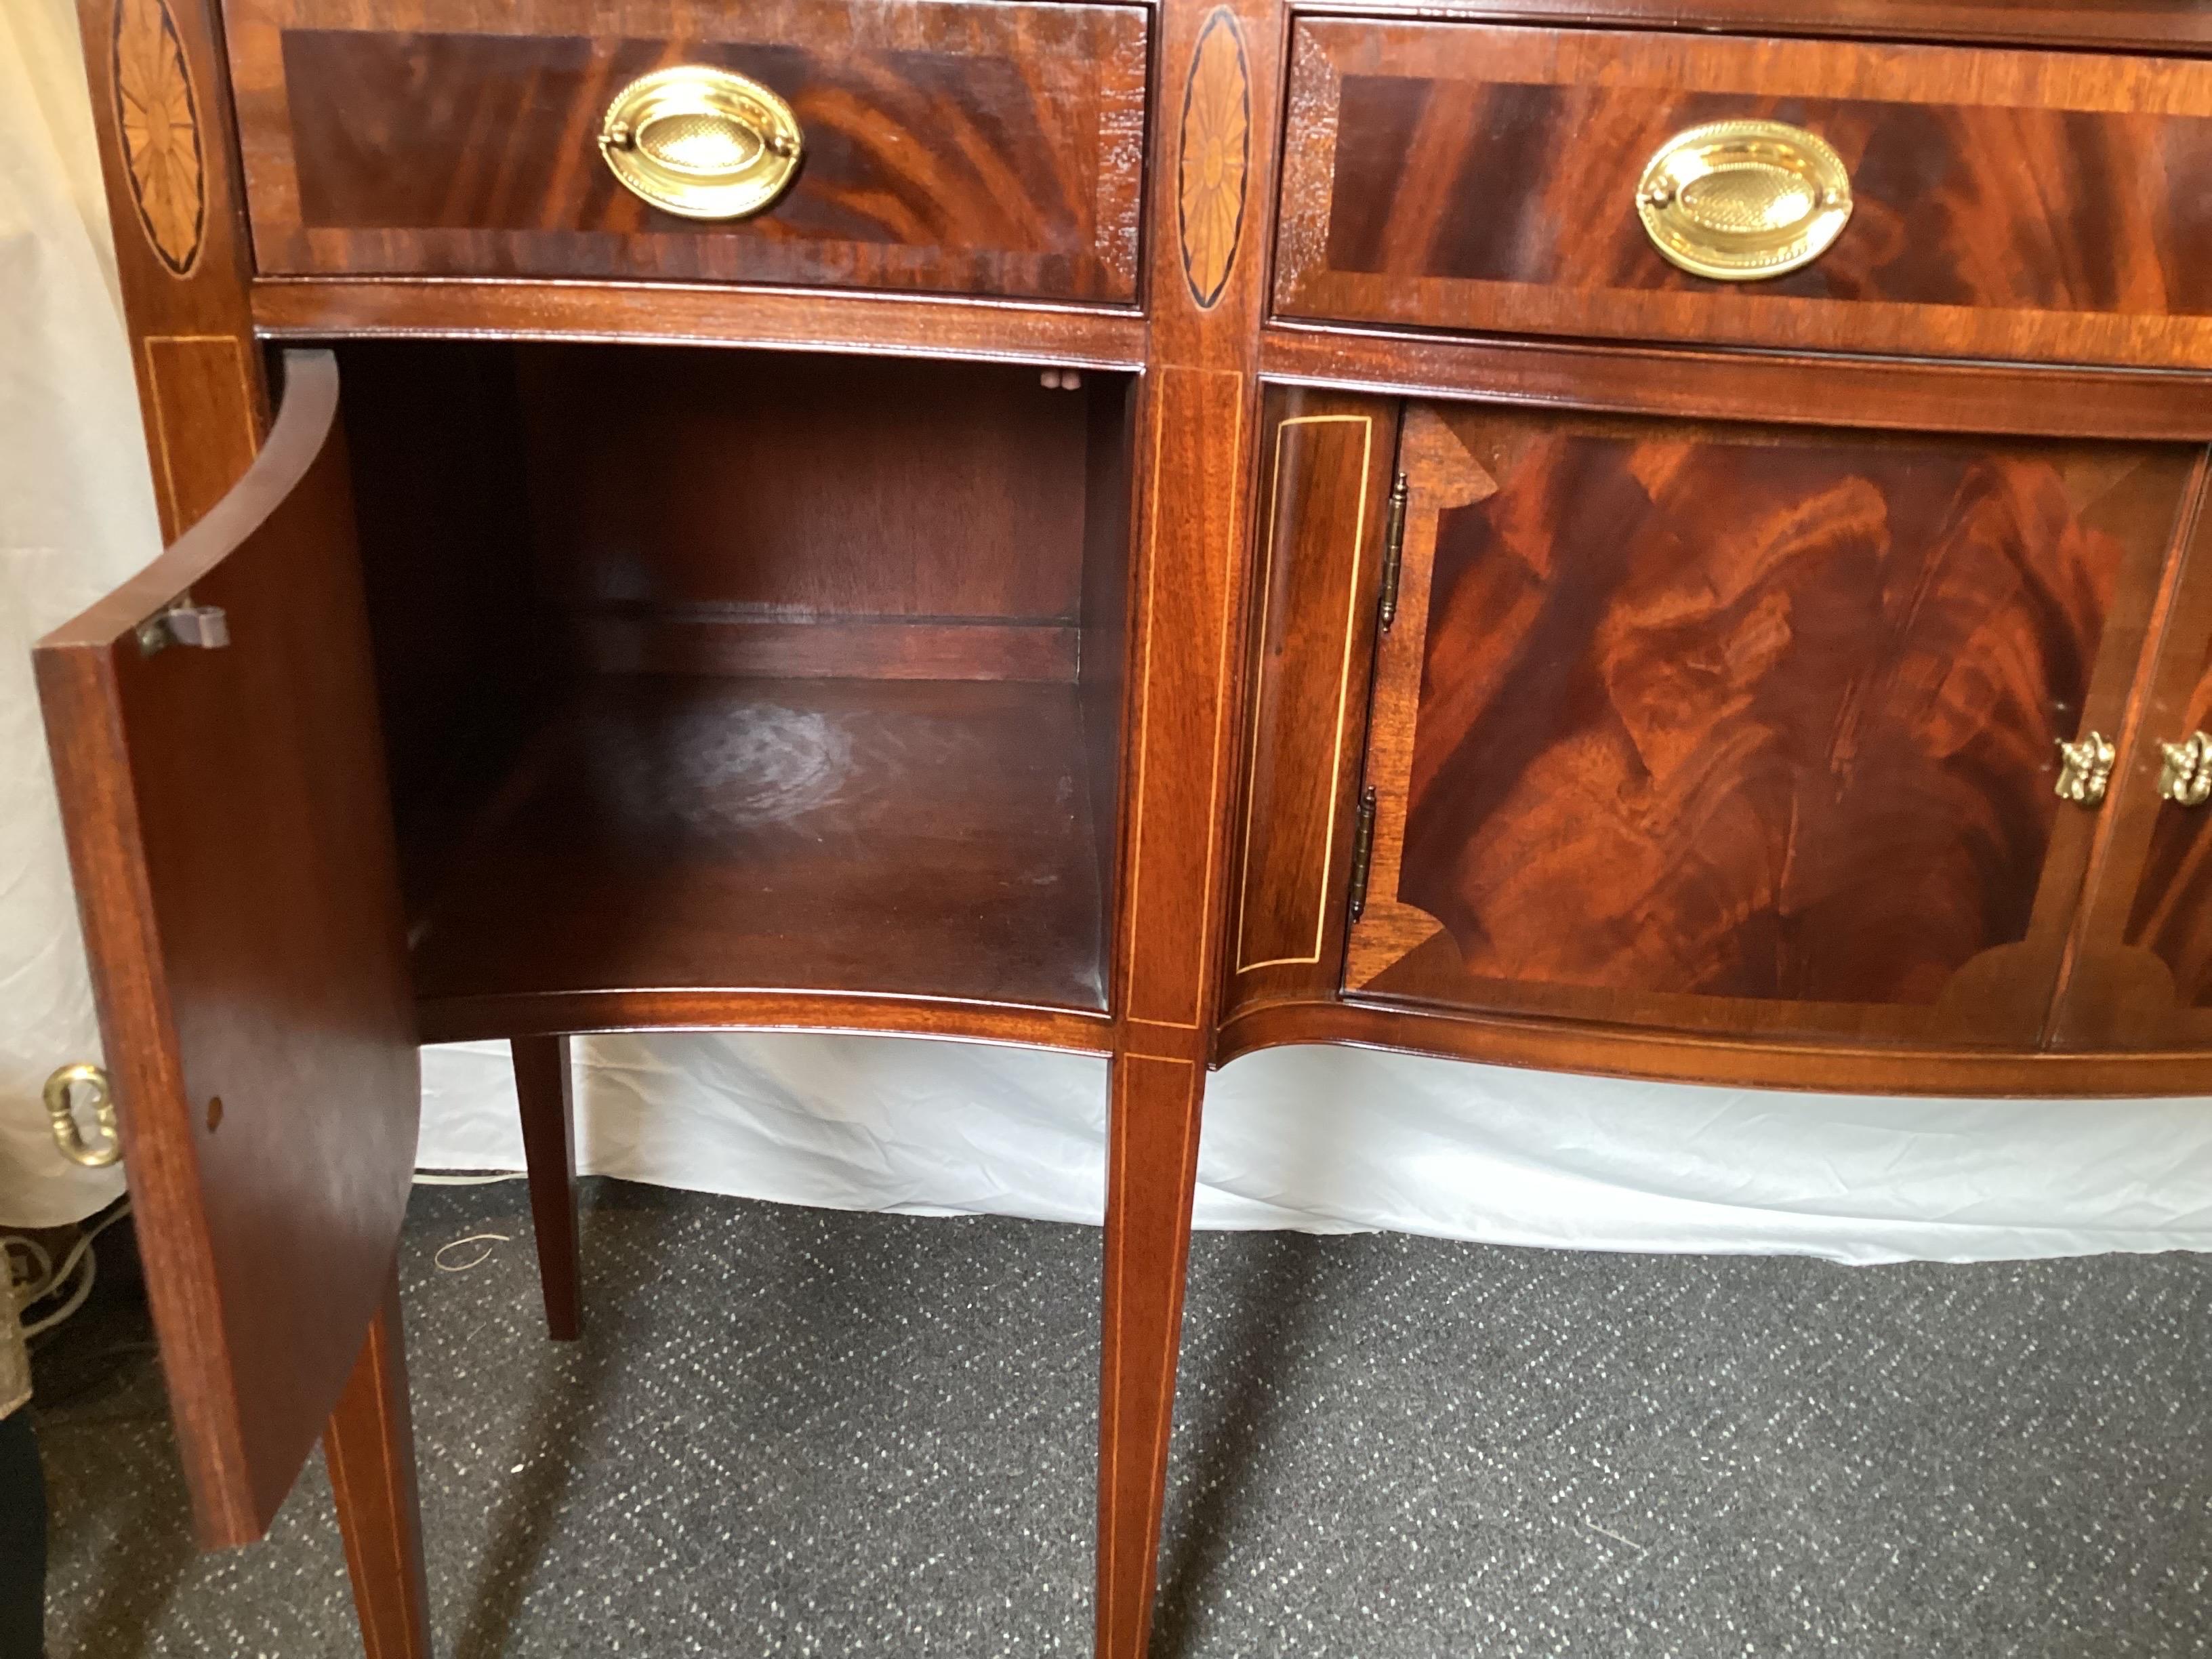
(1325, 488)
(1747, 730)
(2142, 977)
(231, 837)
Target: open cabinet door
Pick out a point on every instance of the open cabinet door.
(222, 781)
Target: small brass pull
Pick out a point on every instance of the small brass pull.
(61, 1116)
(701, 142)
(1740, 200)
(2187, 779)
(2087, 769)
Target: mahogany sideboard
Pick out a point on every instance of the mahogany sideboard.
(1662, 539)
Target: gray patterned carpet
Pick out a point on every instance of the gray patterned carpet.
(794, 1432)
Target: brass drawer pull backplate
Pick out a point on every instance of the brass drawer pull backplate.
(701, 141)
(61, 1116)
(1740, 200)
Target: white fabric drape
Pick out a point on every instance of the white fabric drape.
(77, 516)
(1331, 1139)
(1320, 1139)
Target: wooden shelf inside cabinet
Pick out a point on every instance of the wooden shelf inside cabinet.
(702, 840)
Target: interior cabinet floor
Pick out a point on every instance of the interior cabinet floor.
(799, 1431)
(697, 833)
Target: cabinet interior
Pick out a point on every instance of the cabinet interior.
(714, 670)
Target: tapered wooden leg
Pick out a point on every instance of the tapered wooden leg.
(1152, 1166)
(548, 1146)
(369, 1444)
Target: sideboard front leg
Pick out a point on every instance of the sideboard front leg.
(1213, 145)
(369, 1444)
(1152, 1167)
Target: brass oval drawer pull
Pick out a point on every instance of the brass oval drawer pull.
(701, 142)
(2086, 768)
(61, 1116)
(1740, 200)
(2187, 778)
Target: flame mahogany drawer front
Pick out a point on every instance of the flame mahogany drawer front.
(2038, 206)
(989, 148)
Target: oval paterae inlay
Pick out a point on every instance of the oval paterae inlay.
(1217, 136)
(159, 119)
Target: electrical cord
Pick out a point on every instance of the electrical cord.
(34, 1278)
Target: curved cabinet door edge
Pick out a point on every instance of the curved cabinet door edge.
(214, 731)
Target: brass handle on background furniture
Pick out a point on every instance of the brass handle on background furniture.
(1740, 200)
(701, 142)
(2086, 768)
(61, 1116)
(2187, 779)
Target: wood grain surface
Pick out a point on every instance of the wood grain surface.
(544, 1089)
(162, 109)
(2171, 916)
(2156, 26)
(1196, 448)
(369, 1447)
(463, 671)
(1110, 482)
(790, 487)
(1799, 388)
(2042, 206)
(961, 148)
(1320, 557)
(502, 1016)
(671, 313)
(2139, 976)
(718, 835)
(1716, 1060)
(230, 833)
(1732, 727)
(837, 519)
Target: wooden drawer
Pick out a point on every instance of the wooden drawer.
(2038, 206)
(982, 148)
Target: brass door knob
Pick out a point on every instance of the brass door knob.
(2187, 778)
(1741, 200)
(61, 1116)
(701, 142)
(2085, 768)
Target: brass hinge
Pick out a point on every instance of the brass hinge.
(1363, 850)
(1394, 551)
(2086, 768)
(202, 626)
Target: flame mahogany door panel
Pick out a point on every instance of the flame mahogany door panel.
(2142, 976)
(1745, 730)
(231, 836)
